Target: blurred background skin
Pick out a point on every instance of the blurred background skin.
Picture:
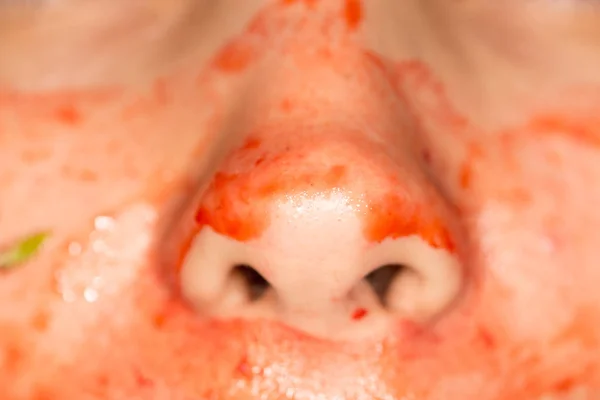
(459, 138)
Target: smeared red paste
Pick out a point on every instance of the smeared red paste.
(271, 167)
(158, 349)
(353, 13)
(235, 57)
(69, 115)
(359, 314)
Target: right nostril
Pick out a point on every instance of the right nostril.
(381, 280)
(255, 284)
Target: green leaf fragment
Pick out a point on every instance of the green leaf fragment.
(22, 251)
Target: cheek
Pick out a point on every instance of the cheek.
(84, 153)
(538, 229)
(523, 194)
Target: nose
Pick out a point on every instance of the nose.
(334, 234)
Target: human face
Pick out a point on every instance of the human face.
(302, 199)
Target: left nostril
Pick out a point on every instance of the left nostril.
(255, 284)
(421, 284)
(381, 280)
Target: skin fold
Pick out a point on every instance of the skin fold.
(162, 142)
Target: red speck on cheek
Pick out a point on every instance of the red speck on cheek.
(159, 320)
(210, 394)
(353, 13)
(359, 314)
(13, 358)
(62, 106)
(84, 175)
(584, 130)
(251, 144)
(486, 338)
(244, 369)
(141, 380)
(69, 115)
(44, 394)
(15, 352)
(565, 385)
(308, 3)
(466, 175)
(102, 381)
(40, 321)
(235, 57)
(426, 156)
(287, 105)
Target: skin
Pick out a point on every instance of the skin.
(467, 133)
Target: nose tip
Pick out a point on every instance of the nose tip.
(320, 263)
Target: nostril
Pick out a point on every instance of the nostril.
(254, 283)
(381, 280)
(420, 283)
(223, 278)
(322, 295)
